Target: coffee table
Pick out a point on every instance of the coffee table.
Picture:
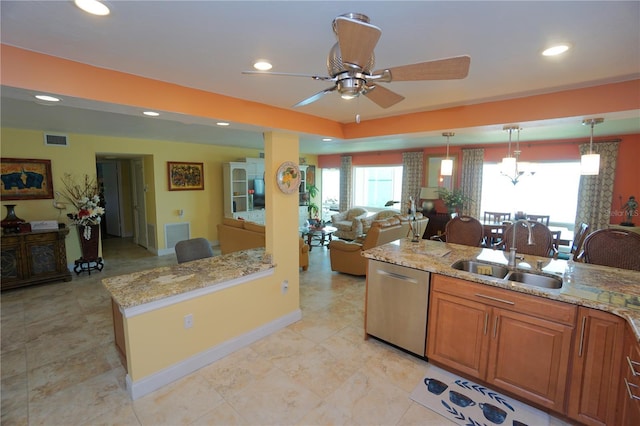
(321, 234)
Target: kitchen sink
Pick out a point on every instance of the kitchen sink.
(537, 280)
(499, 271)
(481, 268)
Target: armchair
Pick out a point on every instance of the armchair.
(348, 223)
(346, 256)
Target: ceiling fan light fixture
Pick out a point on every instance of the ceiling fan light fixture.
(262, 65)
(151, 113)
(47, 98)
(590, 163)
(93, 7)
(222, 123)
(555, 50)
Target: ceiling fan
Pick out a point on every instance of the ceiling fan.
(351, 61)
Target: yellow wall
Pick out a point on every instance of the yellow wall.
(203, 209)
(157, 340)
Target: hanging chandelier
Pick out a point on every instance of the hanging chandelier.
(511, 167)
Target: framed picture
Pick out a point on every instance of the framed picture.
(26, 179)
(433, 177)
(185, 176)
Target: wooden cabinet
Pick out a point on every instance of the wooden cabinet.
(629, 383)
(34, 258)
(595, 374)
(501, 337)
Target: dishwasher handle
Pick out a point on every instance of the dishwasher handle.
(397, 276)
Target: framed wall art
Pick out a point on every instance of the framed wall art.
(25, 179)
(433, 177)
(185, 176)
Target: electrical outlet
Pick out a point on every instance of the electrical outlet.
(285, 286)
(188, 321)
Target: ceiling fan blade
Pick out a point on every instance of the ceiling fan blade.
(315, 97)
(440, 69)
(289, 74)
(382, 96)
(357, 40)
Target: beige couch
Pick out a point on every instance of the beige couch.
(346, 256)
(236, 235)
(405, 221)
(348, 223)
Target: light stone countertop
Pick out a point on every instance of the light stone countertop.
(608, 289)
(155, 284)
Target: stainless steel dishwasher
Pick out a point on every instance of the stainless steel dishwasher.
(397, 299)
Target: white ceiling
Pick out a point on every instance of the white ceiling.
(206, 45)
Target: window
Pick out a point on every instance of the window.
(552, 190)
(374, 186)
(330, 193)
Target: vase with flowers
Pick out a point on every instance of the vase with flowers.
(85, 197)
(454, 200)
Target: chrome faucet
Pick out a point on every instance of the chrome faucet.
(512, 250)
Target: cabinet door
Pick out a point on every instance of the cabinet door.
(629, 385)
(529, 357)
(12, 261)
(596, 363)
(458, 333)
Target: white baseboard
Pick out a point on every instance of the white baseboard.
(183, 368)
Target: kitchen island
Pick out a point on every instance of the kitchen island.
(170, 321)
(581, 341)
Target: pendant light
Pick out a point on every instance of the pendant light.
(590, 163)
(446, 166)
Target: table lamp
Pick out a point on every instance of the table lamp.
(428, 195)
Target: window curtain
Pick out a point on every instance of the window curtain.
(471, 181)
(346, 182)
(595, 193)
(411, 179)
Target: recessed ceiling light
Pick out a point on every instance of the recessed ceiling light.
(47, 98)
(262, 65)
(151, 113)
(326, 139)
(222, 123)
(555, 50)
(93, 7)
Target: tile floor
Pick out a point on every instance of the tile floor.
(59, 365)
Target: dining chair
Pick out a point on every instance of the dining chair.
(465, 230)
(542, 239)
(496, 217)
(613, 247)
(576, 246)
(493, 234)
(538, 218)
(193, 249)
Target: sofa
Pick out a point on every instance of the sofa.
(235, 235)
(346, 256)
(405, 221)
(348, 223)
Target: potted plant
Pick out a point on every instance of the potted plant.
(454, 200)
(313, 207)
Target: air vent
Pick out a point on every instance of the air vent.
(51, 139)
(174, 232)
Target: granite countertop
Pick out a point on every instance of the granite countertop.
(148, 286)
(608, 289)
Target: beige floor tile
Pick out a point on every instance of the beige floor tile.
(179, 403)
(274, 399)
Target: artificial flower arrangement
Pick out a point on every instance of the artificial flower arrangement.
(452, 199)
(85, 198)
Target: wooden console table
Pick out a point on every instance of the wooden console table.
(34, 258)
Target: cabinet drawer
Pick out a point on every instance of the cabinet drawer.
(519, 302)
